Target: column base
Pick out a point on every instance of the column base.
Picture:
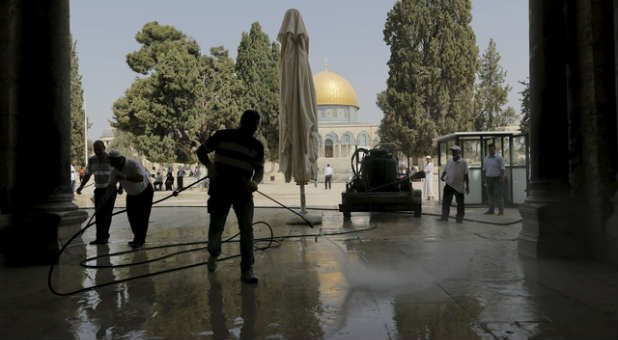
(550, 230)
(35, 237)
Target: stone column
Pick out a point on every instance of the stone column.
(38, 98)
(545, 219)
(569, 211)
(592, 120)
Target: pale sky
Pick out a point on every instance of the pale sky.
(347, 32)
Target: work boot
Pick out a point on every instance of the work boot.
(248, 277)
(98, 241)
(501, 212)
(212, 264)
(136, 244)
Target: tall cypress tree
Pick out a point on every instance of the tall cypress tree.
(77, 110)
(492, 93)
(220, 101)
(524, 124)
(432, 68)
(257, 65)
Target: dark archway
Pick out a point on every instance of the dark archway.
(328, 149)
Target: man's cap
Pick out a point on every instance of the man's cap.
(427, 157)
(114, 154)
(455, 148)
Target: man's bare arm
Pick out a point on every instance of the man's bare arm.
(258, 176)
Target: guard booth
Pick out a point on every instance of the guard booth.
(512, 145)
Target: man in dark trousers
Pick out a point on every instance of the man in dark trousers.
(180, 175)
(455, 175)
(100, 166)
(237, 170)
(136, 182)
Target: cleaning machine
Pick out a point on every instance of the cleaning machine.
(378, 184)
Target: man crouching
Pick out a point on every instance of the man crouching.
(136, 182)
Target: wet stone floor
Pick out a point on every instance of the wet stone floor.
(391, 276)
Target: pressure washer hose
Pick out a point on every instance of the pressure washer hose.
(273, 242)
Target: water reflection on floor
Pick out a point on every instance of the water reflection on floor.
(407, 278)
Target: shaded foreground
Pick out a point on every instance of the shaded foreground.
(407, 278)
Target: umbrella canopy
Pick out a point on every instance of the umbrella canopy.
(298, 121)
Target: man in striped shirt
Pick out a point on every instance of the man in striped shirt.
(99, 166)
(237, 170)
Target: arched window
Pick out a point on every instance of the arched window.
(363, 139)
(328, 148)
(347, 142)
(330, 143)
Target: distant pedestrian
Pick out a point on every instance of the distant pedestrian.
(428, 178)
(180, 177)
(494, 181)
(169, 180)
(158, 182)
(136, 181)
(455, 175)
(73, 176)
(328, 176)
(82, 172)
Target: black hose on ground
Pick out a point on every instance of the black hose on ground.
(273, 242)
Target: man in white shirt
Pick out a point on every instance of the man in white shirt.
(135, 180)
(73, 176)
(455, 175)
(328, 176)
(428, 169)
(494, 180)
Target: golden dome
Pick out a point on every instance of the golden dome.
(333, 89)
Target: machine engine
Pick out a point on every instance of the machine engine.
(378, 185)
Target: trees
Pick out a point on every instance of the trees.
(183, 96)
(492, 93)
(220, 101)
(77, 110)
(524, 124)
(257, 65)
(159, 109)
(432, 68)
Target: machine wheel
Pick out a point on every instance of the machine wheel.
(418, 211)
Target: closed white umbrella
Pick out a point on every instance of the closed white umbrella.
(298, 121)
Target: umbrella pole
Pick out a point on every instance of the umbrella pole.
(303, 210)
(314, 219)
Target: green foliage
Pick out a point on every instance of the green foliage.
(220, 101)
(160, 109)
(492, 93)
(124, 142)
(257, 65)
(524, 124)
(77, 110)
(432, 68)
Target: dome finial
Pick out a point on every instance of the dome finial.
(326, 64)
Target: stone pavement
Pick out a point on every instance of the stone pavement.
(289, 195)
(406, 278)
